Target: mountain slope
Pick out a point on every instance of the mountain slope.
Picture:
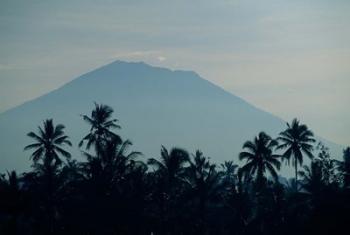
(155, 106)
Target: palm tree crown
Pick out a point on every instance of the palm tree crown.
(204, 185)
(48, 143)
(296, 139)
(229, 173)
(115, 159)
(260, 158)
(101, 123)
(171, 163)
(202, 176)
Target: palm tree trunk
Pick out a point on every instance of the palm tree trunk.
(296, 174)
(201, 215)
(260, 180)
(50, 204)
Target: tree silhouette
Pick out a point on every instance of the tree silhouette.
(171, 164)
(344, 167)
(260, 158)
(113, 163)
(12, 200)
(113, 191)
(101, 125)
(205, 184)
(114, 176)
(230, 177)
(296, 139)
(328, 166)
(169, 174)
(48, 145)
(46, 158)
(312, 177)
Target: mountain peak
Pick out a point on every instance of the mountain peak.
(156, 106)
(142, 64)
(133, 63)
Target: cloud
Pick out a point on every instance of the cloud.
(161, 58)
(141, 55)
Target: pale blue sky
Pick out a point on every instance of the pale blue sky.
(291, 58)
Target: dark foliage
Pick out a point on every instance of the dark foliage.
(118, 191)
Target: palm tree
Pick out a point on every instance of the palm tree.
(296, 139)
(114, 162)
(202, 175)
(112, 176)
(229, 174)
(205, 184)
(101, 123)
(48, 145)
(171, 164)
(260, 158)
(168, 177)
(48, 148)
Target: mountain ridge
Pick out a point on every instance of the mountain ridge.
(145, 99)
(143, 64)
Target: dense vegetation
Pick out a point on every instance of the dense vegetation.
(115, 191)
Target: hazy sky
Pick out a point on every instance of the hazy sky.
(291, 58)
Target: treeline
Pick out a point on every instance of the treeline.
(115, 191)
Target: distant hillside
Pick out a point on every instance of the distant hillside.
(155, 106)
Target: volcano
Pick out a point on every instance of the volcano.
(155, 106)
